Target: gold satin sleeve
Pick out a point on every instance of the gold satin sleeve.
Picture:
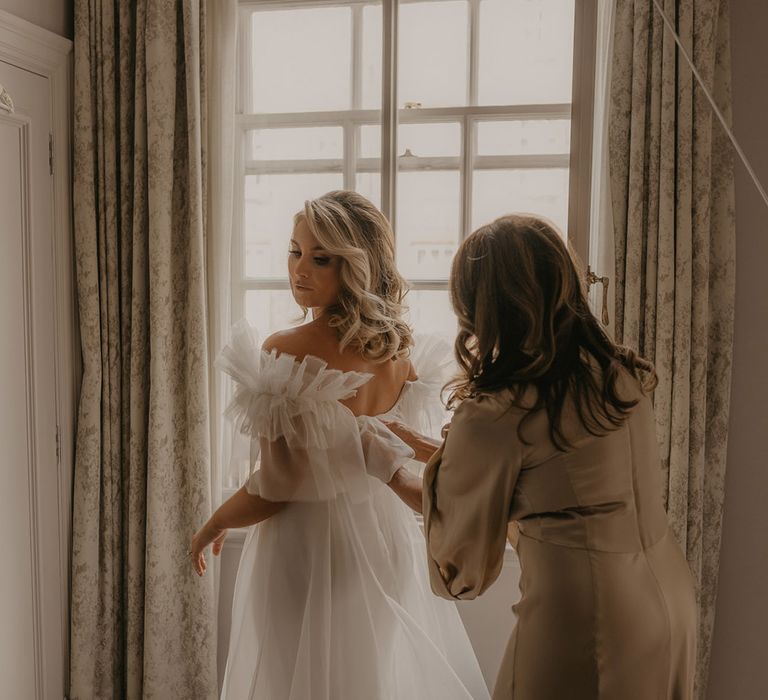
(468, 487)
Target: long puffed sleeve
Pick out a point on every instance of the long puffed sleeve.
(420, 406)
(468, 488)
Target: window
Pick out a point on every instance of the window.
(482, 119)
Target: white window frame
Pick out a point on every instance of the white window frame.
(579, 111)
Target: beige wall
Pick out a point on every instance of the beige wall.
(53, 15)
(739, 669)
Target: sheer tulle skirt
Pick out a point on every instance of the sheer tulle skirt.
(332, 602)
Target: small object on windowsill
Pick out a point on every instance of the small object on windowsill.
(408, 154)
(6, 103)
(413, 105)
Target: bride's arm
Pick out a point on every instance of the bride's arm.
(408, 488)
(240, 510)
(243, 509)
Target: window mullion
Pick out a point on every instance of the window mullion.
(522, 162)
(582, 108)
(350, 155)
(437, 285)
(314, 165)
(530, 112)
(267, 284)
(474, 51)
(245, 26)
(389, 111)
(467, 161)
(357, 57)
(468, 123)
(237, 260)
(350, 127)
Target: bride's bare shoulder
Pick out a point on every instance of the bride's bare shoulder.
(307, 339)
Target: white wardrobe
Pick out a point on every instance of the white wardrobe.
(37, 358)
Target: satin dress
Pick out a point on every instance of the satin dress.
(607, 608)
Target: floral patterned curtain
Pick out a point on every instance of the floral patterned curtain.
(673, 209)
(142, 625)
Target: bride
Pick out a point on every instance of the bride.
(332, 598)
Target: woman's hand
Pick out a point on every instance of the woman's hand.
(406, 434)
(423, 446)
(206, 535)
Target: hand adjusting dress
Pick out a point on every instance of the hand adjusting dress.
(332, 597)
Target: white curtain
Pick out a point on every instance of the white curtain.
(222, 83)
(601, 241)
(221, 141)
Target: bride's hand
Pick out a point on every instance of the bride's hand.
(423, 446)
(207, 534)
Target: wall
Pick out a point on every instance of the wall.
(740, 649)
(54, 15)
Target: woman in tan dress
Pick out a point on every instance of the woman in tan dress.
(553, 434)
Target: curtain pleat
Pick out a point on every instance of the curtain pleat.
(673, 209)
(142, 624)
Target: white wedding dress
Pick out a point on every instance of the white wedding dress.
(332, 599)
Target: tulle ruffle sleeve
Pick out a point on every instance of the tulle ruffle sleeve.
(308, 443)
(421, 407)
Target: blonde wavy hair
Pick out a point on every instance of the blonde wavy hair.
(368, 314)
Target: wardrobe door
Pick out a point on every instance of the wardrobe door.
(31, 580)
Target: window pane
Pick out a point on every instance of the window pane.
(430, 140)
(526, 51)
(271, 310)
(371, 67)
(298, 143)
(370, 141)
(301, 59)
(433, 66)
(532, 191)
(270, 203)
(430, 312)
(369, 185)
(427, 231)
(521, 137)
(368, 182)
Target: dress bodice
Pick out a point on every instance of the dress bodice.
(311, 446)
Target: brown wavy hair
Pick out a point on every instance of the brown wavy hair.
(520, 297)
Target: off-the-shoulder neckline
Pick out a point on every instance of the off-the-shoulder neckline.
(276, 354)
(324, 367)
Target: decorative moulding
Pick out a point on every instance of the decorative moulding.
(25, 46)
(40, 51)
(6, 103)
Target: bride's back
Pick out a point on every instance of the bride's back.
(319, 340)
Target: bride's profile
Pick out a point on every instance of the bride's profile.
(332, 599)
